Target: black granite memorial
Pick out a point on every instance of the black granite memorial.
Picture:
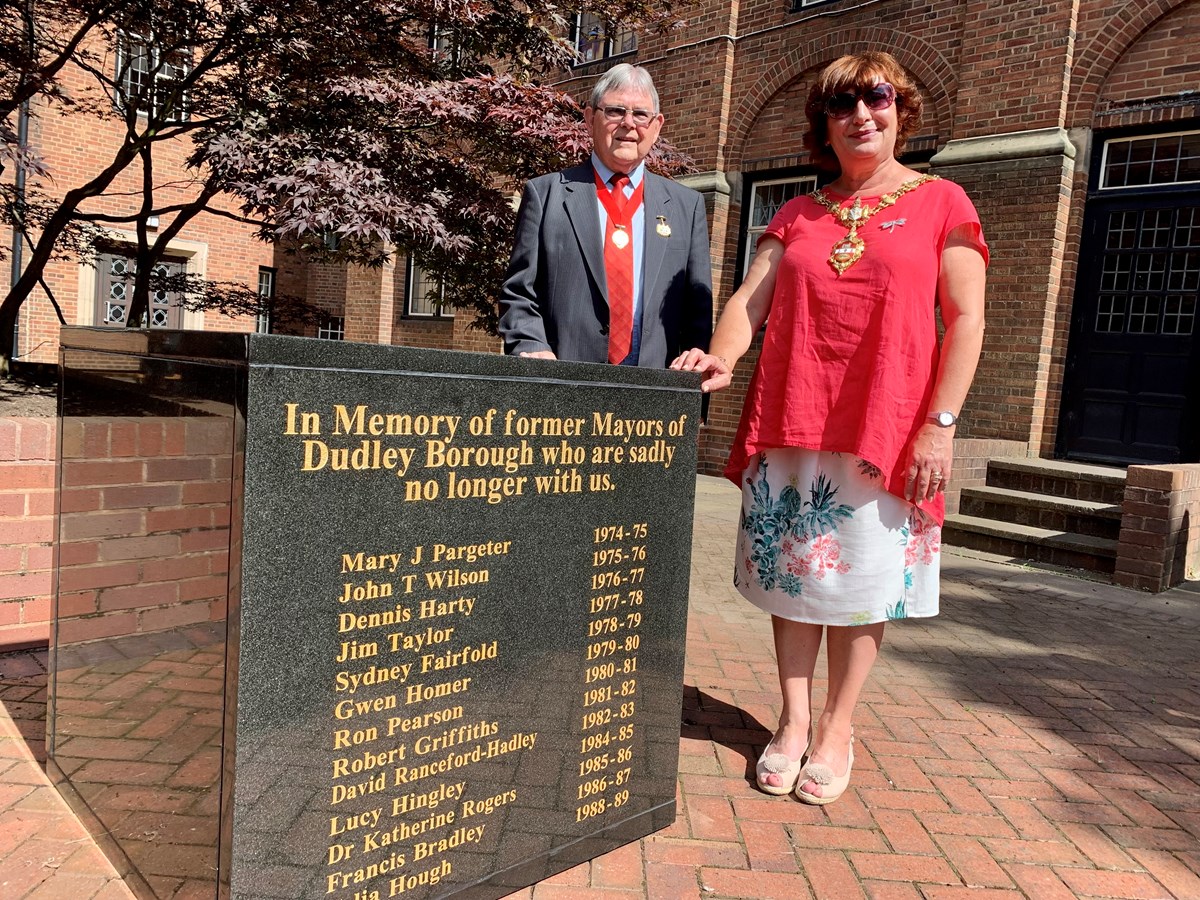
(346, 621)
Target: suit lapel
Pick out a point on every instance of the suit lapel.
(657, 208)
(580, 187)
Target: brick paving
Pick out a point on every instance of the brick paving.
(1040, 739)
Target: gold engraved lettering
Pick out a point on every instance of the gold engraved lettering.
(357, 650)
(404, 724)
(493, 489)
(342, 824)
(452, 737)
(348, 709)
(488, 806)
(438, 662)
(406, 803)
(336, 881)
(530, 426)
(605, 425)
(358, 423)
(469, 552)
(361, 621)
(453, 760)
(366, 456)
(349, 682)
(456, 578)
(419, 693)
(370, 591)
(431, 609)
(347, 737)
(465, 835)
(368, 760)
(360, 562)
(439, 454)
(375, 840)
(403, 883)
(372, 785)
(400, 640)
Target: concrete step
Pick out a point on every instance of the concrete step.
(966, 553)
(1088, 517)
(1058, 478)
(1028, 542)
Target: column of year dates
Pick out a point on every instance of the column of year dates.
(616, 602)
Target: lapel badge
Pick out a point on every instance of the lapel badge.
(662, 227)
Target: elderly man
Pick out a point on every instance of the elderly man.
(610, 261)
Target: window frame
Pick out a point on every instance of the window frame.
(439, 310)
(750, 233)
(332, 330)
(452, 54)
(127, 41)
(1109, 140)
(262, 321)
(608, 50)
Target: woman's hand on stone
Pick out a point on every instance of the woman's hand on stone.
(716, 370)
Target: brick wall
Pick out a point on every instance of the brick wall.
(1160, 527)
(144, 540)
(1023, 218)
(984, 70)
(27, 455)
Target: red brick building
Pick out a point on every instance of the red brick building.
(1075, 127)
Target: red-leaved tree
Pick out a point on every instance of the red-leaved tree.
(336, 128)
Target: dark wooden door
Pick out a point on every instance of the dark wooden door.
(114, 291)
(1132, 388)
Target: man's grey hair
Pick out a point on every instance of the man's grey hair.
(623, 75)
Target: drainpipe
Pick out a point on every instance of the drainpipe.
(18, 243)
(19, 178)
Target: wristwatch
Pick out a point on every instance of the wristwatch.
(945, 418)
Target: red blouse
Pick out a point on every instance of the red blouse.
(848, 362)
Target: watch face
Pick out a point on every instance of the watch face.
(945, 419)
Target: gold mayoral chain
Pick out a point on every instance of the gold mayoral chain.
(850, 249)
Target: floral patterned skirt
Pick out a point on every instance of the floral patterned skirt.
(821, 541)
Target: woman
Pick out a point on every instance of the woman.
(846, 438)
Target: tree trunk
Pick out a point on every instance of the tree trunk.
(44, 249)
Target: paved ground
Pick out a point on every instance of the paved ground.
(1039, 739)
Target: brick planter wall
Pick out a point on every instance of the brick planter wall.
(145, 525)
(27, 455)
(1160, 527)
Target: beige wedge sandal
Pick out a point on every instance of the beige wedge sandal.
(832, 786)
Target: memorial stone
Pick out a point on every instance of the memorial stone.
(358, 622)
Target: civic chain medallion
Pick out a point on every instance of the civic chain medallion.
(850, 249)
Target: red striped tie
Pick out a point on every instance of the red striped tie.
(618, 266)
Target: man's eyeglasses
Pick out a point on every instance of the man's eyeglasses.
(877, 97)
(641, 117)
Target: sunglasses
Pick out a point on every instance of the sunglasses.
(876, 97)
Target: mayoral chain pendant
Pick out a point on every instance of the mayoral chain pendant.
(850, 249)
